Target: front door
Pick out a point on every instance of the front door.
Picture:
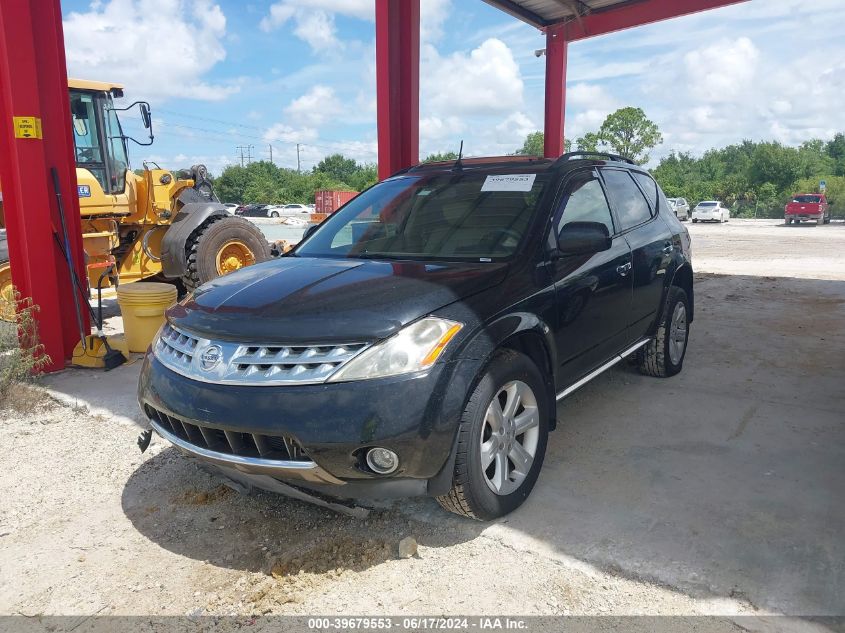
(592, 292)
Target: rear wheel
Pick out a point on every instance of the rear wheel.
(788, 221)
(274, 214)
(663, 356)
(221, 246)
(501, 440)
(8, 304)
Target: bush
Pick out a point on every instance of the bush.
(22, 354)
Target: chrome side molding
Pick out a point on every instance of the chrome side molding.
(616, 359)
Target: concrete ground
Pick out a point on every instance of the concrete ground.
(715, 492)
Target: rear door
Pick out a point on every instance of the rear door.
(592, 292)
(633, 196)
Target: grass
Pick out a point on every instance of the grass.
(22, 358)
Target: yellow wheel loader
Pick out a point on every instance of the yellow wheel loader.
(154, 225)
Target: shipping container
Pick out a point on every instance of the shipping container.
(331, 201)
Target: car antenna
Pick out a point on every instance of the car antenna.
(458, 164)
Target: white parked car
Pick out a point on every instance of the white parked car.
(680, 207)
(231, 206)
(296, 208)
(710, 211)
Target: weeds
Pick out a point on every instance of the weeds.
(22, 355)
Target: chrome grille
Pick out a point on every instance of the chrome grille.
(275, 447)
(256, 365)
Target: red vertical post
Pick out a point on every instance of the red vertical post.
(33, 83)
(556, 52)
(398, 84)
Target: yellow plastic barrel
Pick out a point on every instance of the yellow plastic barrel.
(142, 306)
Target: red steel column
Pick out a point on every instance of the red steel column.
(33, 83)
(398, 84)
(556, 51)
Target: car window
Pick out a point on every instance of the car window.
(631, 207)
(584, 201)
(437, 216)
(649, 187)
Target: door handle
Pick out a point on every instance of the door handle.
(668, 249)
(624, 269)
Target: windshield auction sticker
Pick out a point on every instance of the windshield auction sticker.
(513, 182)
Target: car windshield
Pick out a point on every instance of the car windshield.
(807, 199)
(451, 216)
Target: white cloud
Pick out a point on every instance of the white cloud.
(513, 130)
(316, 107)
(317, 29)
(485, 81)
(133, 41)
(720, 72)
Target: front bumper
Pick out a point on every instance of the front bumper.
(334, 424)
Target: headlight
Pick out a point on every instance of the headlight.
(414, 348)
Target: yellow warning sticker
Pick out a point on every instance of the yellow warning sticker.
(27, 127)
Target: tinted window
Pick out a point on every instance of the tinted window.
(584, 201)
(630, 204)
(433, 216)
(649, 187)
(807, 199)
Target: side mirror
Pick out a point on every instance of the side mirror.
(309, 232)
(583, 238)
(146, 116)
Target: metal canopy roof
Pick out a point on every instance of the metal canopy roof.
(543, 13)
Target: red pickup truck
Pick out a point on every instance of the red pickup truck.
(807, 206)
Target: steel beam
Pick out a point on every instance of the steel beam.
(398, 84)
(637, 13)
(556, 55)
(33, 83)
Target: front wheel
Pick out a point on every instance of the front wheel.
(274, 214)
(221, 246)
(501, 440)
(663, 356)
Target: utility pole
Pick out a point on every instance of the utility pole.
(298, 164)
(271, 151)
(241, 149)
(249, 149)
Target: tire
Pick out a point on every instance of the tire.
(473, 494)
(657, 358)
(208, 242)
(274, 214)
(787, 221)
(8, 302)
(695, 221)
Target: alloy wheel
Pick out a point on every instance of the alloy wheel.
(678, 333)
(509, 437)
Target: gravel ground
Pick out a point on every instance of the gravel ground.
(88, 525)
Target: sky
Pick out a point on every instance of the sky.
(226, 74)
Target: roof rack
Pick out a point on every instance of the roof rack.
(571, 155)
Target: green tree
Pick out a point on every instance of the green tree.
(441, 157)
(589, 142)
(338, 167)
(535, 145)
(630, 133)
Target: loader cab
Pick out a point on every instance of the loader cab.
(98, 139)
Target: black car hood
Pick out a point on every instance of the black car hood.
(310, 300)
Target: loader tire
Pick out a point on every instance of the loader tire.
(8, 302)
(221, 246)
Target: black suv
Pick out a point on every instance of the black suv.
(417, 342)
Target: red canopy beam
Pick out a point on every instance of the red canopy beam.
(398, 84)
(556, 54)
(33, 85)
(637, 13)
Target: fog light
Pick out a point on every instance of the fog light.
(382, 460)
